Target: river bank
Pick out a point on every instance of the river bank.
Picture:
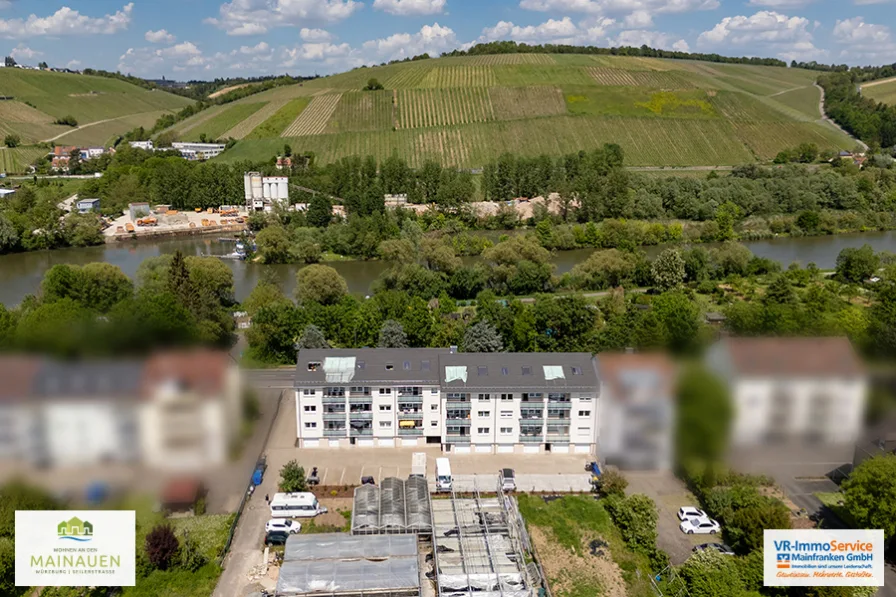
(21, 273)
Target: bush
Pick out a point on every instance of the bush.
(373, 85)
(190, 557)
(711, 574)
(66, 121)
(199, 507)
(12, 140)
(635, 516)
(611, 482)
(292, 478)
(162, 546)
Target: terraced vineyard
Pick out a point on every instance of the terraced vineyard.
(227, 119)
(248, 125)
(16, 160)
(466, 111)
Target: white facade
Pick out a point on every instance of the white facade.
(147, 145)
(263, 192)
(199, 151)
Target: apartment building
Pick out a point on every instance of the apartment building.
(464, 402)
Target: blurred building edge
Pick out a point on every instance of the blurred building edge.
(807, 390)
(171, 411)
(638, 410)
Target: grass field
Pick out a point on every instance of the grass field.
(15, 161)
(106, 132)
(882, 91)
(466, 111)
(227, 119)
(277, 123)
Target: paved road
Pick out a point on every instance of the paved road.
(279, 378)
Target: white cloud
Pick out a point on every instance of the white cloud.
(23, 52)
(66, 21)
(410, 7)
(253, 17)
(563, 31)
(867, 2)
(766, 31)
(866, 41)
(314, 35)
(159, 37)
(259, 48)
(777, 4)
(640, 19)
(73, 64)
(655, 39)
(153, 61)
(618, 7)
(431, 39)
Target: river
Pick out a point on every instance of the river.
(21, 273)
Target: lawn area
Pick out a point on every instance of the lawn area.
(562, 531)
(222, 122)
(277, 123)
(834, 502)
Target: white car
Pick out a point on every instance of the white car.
(282, 524)
(700, 526)
(687, 512)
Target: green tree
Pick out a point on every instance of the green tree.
(102, 285)
(312, 337)
(392, 335)
(373, 85)
(12, 140)
(745, 527)
(857, 265)
(264, 294)
(708, 573)
(704, 415)
(482, 337)
(273, 244)
(870, 494)
(635, 516)
(178, 280)
(612, 482)
(605, 269)
(190, 556)
(780, 292)
(82, 230)
(320, 284)
(9, 237)
(668, 270)
(292, 478)
(320, 211)
(680, 317)
(882, 326)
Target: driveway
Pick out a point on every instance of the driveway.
(669, 493)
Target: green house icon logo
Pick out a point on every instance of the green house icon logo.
(75, 529)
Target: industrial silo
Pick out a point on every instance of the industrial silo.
(283, 189)
(257, 191)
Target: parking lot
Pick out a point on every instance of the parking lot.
(670, 494)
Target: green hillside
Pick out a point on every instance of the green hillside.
(882, 91)
(41, 97)
(465, 111)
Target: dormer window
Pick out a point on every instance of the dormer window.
(313, 365)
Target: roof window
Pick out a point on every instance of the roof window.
(527, 370)
(389, 366)
(482, 370)
(313, 365)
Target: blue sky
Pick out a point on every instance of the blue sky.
(201, 39)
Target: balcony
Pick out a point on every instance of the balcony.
(415, 431)
(457, 422)
(561, 405)
(404, 397)
(417, 416)
(531, 439)
(458, 404)
(361, 432)
(532, 400)
(334, 433)
(333, 399)
(362, 399)
(457, 439)
(558, 437)
(532, 421)
(334, 416)
(361, 416)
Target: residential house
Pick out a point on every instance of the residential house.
(637, 410)
(147, 145)
(464, 402)
(60, 156)
(88, 153)
(199, 151)
(284, 162)
(792, 389)
(88, 205)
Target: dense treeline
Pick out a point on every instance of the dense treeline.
(858, 73)
(96, 310)
(126, 78)
(871, 121)
(200, 90)
(512, 47)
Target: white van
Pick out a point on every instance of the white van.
(418, 465)
(443, 474)
(295, 505)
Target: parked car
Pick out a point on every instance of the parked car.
(508, 479)
(722, 548)
(686, 512)
(276, 538)
(700, 526)
(283, 524)
(260, 467)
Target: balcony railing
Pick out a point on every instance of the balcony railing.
(411, 416)
(458, 422)
(532, 421)
(334, 416)
(558, 437)
(360, 399)
(457, 439)
(458, 404)
(531, 439)
(410, 431)
(333, 399)
(334, 432)
(361, 416)
(561, 405)
(410, 397)
(357, 432)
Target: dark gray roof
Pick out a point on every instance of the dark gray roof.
(411, 365)
(88, 379)
(496, 370)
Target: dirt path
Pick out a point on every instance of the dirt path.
(824, 118)
(878, 82)
(787, 91)
(89, 124)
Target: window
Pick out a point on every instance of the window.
(311, 425)
(506, 414)
(433, 423)
(385, 424)
(527, 370)
(385, 407)
(483, 430)
(407, 365)
(310, 408)
(307, 392)
(313, 365)
(586, 397)
(389, 366)
(361, 364)
(482, 370)
(385, 391)
(334, 392)
(434, 407)
(434, 391)
(359, 390)
(503, 370)
(506, 396)
(484, 413)
(584, 413)
(576, 370)
(506, 430)
(424, 365)
(456, 396)
(485, 396)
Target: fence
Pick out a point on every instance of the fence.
(246, 494)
